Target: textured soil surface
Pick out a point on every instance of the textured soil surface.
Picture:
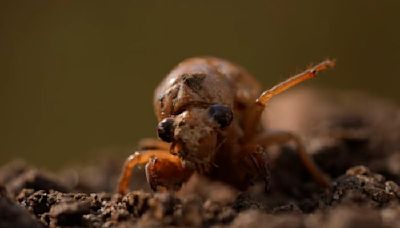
(355, 139)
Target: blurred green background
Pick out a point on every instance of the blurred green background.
(77, 77)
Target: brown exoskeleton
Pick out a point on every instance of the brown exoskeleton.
(209, 122)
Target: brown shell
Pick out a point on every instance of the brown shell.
(203, 81)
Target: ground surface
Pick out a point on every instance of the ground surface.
(355, 139)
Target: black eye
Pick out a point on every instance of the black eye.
(221, 114)
(165, 129)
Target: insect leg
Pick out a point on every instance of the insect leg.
(141, 158)
(257, 160)
(167, 174)
(256, 110)
(269, 139)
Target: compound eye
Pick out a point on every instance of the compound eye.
(222, 114)
(165, 129)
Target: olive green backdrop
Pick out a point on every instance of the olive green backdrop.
(77, 77)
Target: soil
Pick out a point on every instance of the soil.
(354, 138)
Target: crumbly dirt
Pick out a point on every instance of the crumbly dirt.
(354, 138)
